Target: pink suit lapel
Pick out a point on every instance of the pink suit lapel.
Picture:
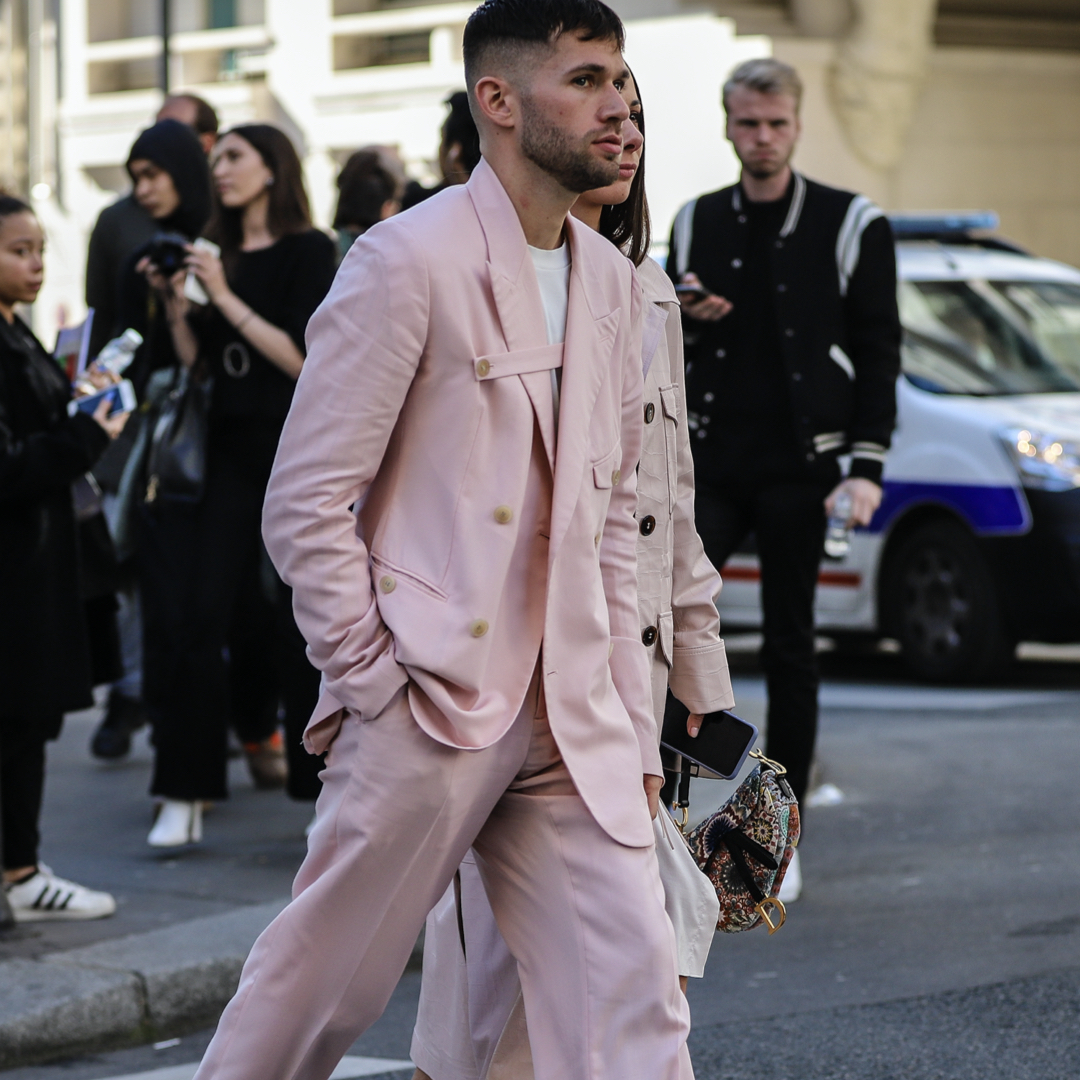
(515, 290)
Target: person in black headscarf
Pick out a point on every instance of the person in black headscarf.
(171, 182)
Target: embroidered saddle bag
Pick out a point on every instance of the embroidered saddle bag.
(745, 848)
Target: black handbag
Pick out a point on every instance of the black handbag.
(176, 457)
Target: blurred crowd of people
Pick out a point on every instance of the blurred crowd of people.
(154, 581)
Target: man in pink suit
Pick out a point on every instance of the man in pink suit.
(453, 505)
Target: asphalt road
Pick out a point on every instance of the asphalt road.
(938, 935)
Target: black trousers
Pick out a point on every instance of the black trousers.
(788, 519)
(196, 563)
(22, 783)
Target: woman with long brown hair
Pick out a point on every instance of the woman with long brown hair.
(247, 344)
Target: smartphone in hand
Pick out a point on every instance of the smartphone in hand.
(193, 287)
(720, 748)
(121, 398)
(691, 293)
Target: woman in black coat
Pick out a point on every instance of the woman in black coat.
(273, 272)
(45, 660)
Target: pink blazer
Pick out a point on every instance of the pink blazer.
(396, 499)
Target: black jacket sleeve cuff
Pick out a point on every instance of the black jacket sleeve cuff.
(867, 469)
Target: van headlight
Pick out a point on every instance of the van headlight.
(1044, 461)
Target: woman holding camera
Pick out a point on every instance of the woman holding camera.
(45, 656)
(248, 340)
(171, 181)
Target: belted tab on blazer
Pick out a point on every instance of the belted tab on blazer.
(398, 509)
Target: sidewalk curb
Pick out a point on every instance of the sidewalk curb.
(127, 990)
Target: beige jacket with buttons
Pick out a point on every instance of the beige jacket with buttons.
(677, 585)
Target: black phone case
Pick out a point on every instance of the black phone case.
(717, 754)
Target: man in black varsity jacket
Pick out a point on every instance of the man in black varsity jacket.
(792, 350)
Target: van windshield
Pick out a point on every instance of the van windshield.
(991, 338)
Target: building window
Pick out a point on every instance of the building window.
(364, 51)
(114, 76)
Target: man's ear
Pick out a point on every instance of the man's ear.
(496, 101)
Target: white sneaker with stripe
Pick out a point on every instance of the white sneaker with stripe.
(44, 896)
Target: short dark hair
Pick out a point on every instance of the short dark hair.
(206, 117)
(506, 25)
(364, 188)
(289, 210)
(460, 127)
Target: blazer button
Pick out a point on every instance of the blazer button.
(648, 635)
(478, 627)
(650, 412)
(616, 476)
(736, 263)
(483, 369)
(503, 515)
(387, 583)
(708, 396)
(648, 523)
(720, 354)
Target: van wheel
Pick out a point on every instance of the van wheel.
(941, 604)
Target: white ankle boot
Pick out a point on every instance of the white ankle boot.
(178, 823)
(791, 886)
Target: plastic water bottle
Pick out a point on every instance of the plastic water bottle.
(838, 531)
(117, 355)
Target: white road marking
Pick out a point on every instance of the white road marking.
(349, 1069)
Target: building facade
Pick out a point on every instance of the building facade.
(922, 104)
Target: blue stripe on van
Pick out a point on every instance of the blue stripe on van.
(987, 509)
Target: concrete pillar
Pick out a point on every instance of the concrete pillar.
(879, 70)
(822, 18)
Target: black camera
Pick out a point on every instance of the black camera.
(167, 252)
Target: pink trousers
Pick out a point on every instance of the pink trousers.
(582, 915)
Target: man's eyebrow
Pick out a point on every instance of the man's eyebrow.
(596, 69)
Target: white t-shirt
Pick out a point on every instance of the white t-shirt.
(553, 274)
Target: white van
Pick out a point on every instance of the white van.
(976, 545)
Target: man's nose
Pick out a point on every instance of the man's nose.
(615, 108)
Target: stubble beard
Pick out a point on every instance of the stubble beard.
(766, 172)
(550, 148)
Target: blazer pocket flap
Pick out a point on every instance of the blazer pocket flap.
(669, 402)
(605, 471)
(522, 362)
